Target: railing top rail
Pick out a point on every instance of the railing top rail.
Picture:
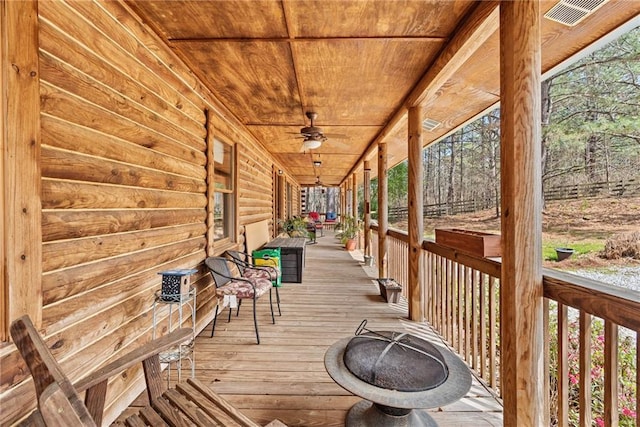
(609, 302)
(488, 266)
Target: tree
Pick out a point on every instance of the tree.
(592, 107)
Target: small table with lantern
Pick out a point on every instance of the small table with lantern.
(176, 294)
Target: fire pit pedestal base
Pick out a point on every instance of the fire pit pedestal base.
(367, 414)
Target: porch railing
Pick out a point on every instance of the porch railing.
(462, 302)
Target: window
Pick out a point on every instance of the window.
(223, 197)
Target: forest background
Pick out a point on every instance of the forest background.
(590, 138)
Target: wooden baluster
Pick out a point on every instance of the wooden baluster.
(637, 381)
(546, 352)
(493, 362)
(585, 370)
(461, 290)
(474, 321)
(610, 374)
(434, 285)
(483, 327)
(467, 313)
(447, 302)
(442, 295)
(563, 366)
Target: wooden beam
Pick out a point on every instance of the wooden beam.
(473, 32)
(383, 210)
(522, 292)
(415, 220)
(209, 40)
(21, 208)
(367, 207)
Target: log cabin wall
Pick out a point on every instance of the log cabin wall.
(124, 192)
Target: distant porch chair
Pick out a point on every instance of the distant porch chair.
(228, 284)
(315, 218)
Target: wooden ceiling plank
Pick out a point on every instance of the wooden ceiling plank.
(481, 24)
(474, 32)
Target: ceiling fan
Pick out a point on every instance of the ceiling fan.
(314, 135)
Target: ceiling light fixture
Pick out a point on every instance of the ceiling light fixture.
(311, 143)
(317, 163)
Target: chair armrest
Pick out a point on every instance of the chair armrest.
(136, 356)
(59, 409)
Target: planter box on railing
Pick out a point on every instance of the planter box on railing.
(471, 242)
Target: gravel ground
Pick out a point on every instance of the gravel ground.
(624, 277)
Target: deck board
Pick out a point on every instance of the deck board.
(284, 377)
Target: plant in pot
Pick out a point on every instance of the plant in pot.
(295, 226)
(350, 229)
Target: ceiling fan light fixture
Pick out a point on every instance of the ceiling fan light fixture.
(311, 143)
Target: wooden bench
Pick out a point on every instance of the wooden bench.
(190, 403)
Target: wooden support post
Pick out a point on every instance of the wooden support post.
(415, 219)
(21, 228)
(367, 207)
(354, 196)
(210, 183)
(521, 296)
(343, 203)
(348, 198)
(383, 210)
(282, 199)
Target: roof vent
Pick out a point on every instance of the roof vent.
(430, 124)
(571, 12)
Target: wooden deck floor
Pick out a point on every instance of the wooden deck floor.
(284, 377)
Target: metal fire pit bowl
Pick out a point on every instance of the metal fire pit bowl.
(384, 407)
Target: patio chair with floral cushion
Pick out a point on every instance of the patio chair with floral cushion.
(249, 270)
(233, 285)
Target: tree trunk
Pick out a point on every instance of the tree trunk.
(452, 167)
(547, 104)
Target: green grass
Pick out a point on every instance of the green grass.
(580, 248)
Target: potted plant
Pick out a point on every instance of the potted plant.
(350, 229)
(295, 226)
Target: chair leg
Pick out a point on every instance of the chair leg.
(255, 320)
(278, 301)
(230, 310)
(238, 310)
(273, 319)
(215, 316)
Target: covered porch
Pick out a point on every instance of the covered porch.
(284, 377)
(155, 142)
